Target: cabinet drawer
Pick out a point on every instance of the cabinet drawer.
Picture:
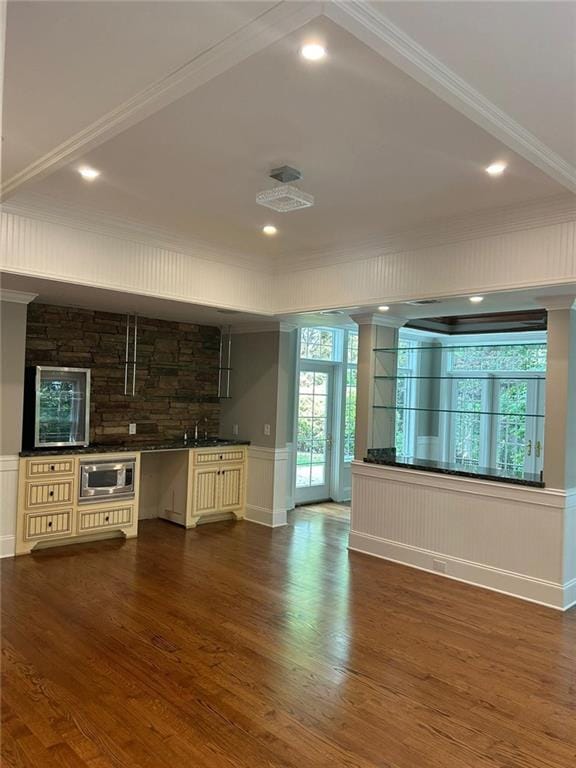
(43, 468)
(39, 525)
(218, 456)
(48, 494)
(105, 518)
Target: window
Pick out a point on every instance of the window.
(405, 390)
(473, 402)
(318, 344)
(350, 395)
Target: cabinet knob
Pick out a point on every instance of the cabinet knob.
(51, 493)
(221, 457)
(107, 519)
(50, 524)
(52, 467)
(223, 471)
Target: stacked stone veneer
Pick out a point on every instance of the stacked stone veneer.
(176, 374)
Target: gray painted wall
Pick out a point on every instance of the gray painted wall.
(13, 344)
(253, 388)
(262, 388)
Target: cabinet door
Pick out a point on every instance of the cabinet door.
(205, 490)
(232, 487)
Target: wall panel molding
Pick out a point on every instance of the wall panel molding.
(529, 258)
(54, 251)
(267, 492)
(503, 537)
(8, 504)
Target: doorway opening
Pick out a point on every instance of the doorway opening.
(325, 413)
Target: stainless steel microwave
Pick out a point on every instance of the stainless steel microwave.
(107, 480)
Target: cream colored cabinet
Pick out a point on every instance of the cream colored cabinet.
(49, 510)
(205, 486)
(217, 483)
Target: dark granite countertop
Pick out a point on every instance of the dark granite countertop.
(168, 445)
(384, 457)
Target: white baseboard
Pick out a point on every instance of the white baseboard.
(264, 516)
(547, 593)
(7, 546)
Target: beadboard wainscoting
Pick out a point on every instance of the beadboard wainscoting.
(508, 538)
(268, 492)
(9, 503)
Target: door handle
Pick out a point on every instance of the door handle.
(538, 449)
(529, 449)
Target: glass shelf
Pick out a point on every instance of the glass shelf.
(449, 410)
(438, 347)
(466, 378)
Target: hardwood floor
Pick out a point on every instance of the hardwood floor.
(238, 645)
(330, 508)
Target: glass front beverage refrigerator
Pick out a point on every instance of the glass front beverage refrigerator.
(56, 407)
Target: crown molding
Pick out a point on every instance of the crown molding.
(16, 297)
(35, 206)
(268, 27)
(372, 27)
(385, 321)
(551, 303)
(549, 211)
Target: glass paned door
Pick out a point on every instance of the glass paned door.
(314, 433)
(518, 431)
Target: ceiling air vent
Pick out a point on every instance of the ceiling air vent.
(285, 197)
(424, 302)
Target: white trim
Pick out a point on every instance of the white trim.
(269, 26)
(550, 498)
(516, 217)
(267, 489)
(16, 297)
(265, 516)
(7, 546)
(44, 208)
(541, 591)
(378, 32)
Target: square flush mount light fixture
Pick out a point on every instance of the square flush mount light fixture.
(285, 198)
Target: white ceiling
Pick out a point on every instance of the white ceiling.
(68, 63)
(380, 151)
(521, 55)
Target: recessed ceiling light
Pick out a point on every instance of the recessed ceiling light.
(496, 169)
(269, 229)
(476, 299)
(87, 173)
(313, 51)
(383, 308)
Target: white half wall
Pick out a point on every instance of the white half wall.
(8, 504)
(509, 538)
(268, 485)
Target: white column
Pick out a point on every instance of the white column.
(375, 332)
(560, 420)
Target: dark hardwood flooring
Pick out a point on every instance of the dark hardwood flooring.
(239, 646)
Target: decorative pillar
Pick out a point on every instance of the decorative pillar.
(375, 332)
(560, 420)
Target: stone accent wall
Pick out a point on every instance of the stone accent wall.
(176, 374)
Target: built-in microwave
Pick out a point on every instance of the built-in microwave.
(106, 480)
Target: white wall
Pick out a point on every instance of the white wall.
(539, 254)
(59, 252)
(508, 538)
